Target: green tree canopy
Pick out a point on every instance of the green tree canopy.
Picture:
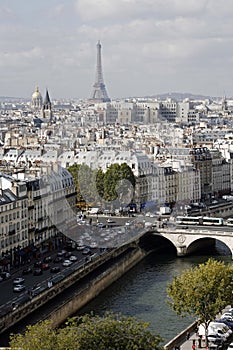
(117, 182)
(202, 291)
(89, 333)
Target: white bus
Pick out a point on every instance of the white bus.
(229, 222)
(209, 221)
(188, 220)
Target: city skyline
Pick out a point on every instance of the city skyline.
(148, 48)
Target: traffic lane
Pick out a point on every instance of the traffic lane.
(6, 287)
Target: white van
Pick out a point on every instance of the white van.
(219, 328)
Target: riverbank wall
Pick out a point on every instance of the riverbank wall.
(95, 287)
(180, 339)
(69, 294)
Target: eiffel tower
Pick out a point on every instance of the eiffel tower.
(99, 91)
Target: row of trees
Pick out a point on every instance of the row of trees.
(110, 189)
(201, 292)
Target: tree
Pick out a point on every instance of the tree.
(202, 291)
(88, 332)
(117, 182)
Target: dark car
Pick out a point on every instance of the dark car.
(45, 266)
(27, 271)
(38, 263)
(61, 253)
(38, 271)
(47, 259)
(5, 275)
(55, 269)
(67, 254)
(58, 259)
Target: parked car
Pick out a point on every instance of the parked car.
(216, 339)
(67, 254)
(18, 280)
(230, 346)
(19, 288)
(55, 269)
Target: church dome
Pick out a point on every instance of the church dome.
(36, 94)
(37, 99)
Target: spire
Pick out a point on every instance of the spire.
(47, 107)
(47, 98)
(99, 92)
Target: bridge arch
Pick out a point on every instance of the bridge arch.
(185, 242)
(202, 242)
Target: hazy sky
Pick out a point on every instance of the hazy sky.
(148, 47)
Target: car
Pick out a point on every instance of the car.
(67, 254)
(80, 247)
(58, 259)
(73, 258)
(19, 288)
(55, 269)
(47, 259)
(127, 223)
(93, 245)
(18, 280)
(27, 271)
(67, 263)
(230, 346)
(38, 271)
(38, 263)
(86, 251)
(110, 221)
(61, 253)
(100, 225)
(5, 275)
(45, 266)
(216, 338)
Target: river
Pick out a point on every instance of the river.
(142, 292)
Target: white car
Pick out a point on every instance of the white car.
(73, 258)
(18, 280)
(230, 346)
(67, 263)
(19, 288)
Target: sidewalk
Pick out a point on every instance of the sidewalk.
(188, 344)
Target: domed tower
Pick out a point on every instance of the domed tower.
(37, 101)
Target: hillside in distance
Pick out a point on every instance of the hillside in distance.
(180, 96)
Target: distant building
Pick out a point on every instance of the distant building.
(36, 101)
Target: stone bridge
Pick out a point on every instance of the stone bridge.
(188, 240)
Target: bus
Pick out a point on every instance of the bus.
(188, 220)
(229, 222)
(209, 221)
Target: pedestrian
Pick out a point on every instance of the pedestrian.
(194, 346)
(199, 342)
(187, 335)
